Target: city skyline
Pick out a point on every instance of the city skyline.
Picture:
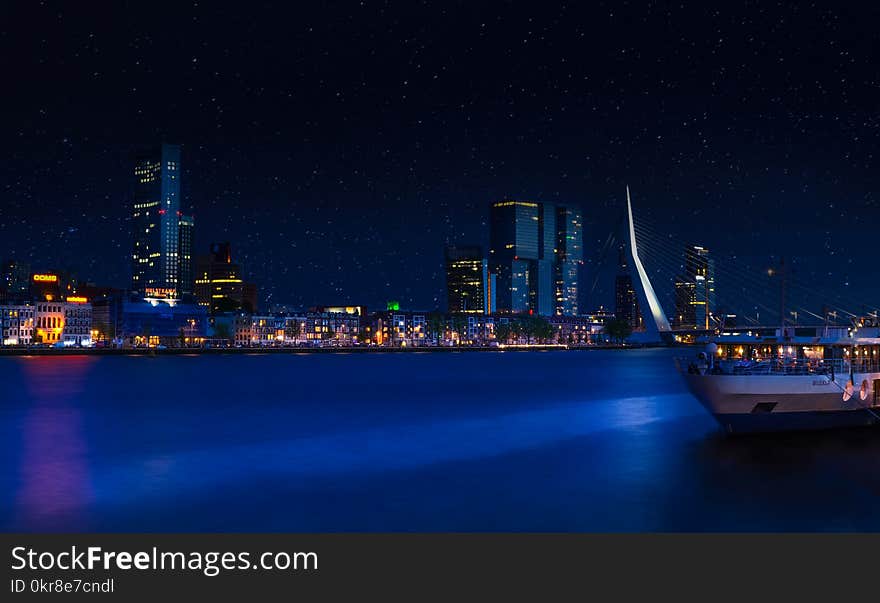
(561, 272)
(341, 172)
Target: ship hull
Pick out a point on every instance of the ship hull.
(768, 403)
(795, 421)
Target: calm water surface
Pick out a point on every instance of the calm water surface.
(538, 441)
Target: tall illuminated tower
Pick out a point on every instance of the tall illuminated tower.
(569, 257)
(155, 223)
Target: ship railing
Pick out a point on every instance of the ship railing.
(840, 368)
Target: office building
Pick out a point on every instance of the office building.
(695, 290)
(186, 270)
(125, 321)
(470, 287)
(626, 303)
(521, 256)
(156, 222)
(219, 285)
(569, 258)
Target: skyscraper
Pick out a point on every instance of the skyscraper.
(626, 303)
(155, 223)
(186, 281)
(569, 257)
(469, 284)
(695, 290)
(522, 238)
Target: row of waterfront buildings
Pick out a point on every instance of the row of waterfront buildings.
(115, 318)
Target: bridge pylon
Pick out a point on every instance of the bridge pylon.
(657, 327)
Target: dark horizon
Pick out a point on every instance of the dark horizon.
(340, 148)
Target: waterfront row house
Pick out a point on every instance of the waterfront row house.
(16, 324)
(77, 329)
(399, 329)
(307, 328)
(48, 323)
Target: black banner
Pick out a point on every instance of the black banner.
(417, 566)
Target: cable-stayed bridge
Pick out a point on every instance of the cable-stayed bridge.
(761, 299)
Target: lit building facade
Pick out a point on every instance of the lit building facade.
(695, 290)
(569, 258)
(521, 256)
(400, 328)
(470, 287)
(49, 322)
(77, 322)
(219, 285)
(17, 324)
(576, 330)
(186, 281)
(155, 267)
(480, 330)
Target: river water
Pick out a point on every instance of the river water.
(518, 441)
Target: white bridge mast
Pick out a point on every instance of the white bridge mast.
(658, 323)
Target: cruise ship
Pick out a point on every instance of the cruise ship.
(788, 380)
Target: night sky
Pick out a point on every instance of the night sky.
(340, 147)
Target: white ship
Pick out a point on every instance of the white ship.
(784, 379)
(753, 383)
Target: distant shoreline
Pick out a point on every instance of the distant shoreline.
(295, 350)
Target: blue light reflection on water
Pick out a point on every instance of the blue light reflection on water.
(593, 441)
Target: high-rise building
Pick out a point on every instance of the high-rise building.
(156, 222)
(186, 280)
(470, 287)
(219, 285)
(569, 258)
(626, 303)
(522, 239)
(695, 290)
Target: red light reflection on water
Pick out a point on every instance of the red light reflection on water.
(54, 471)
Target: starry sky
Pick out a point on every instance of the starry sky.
(340, 145)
